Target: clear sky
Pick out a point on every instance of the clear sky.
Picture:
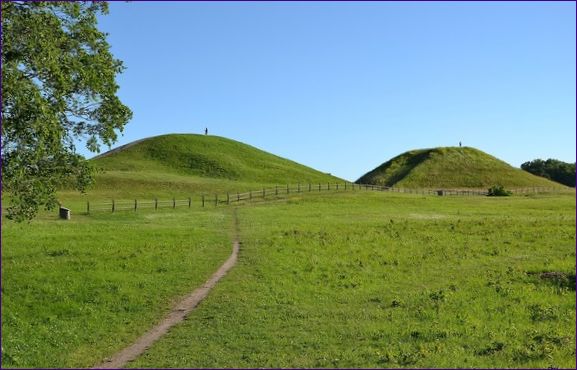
(344, 86)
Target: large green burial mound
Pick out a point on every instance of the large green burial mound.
(203, 156)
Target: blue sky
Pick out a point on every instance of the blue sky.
(344, 86)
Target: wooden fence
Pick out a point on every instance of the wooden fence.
(280, 191)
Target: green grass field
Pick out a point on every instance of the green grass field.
(388, 280)
(74, 292)
(364, 279)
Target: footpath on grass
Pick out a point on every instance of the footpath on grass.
(178, 313)
(190, 302)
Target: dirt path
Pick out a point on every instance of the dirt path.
(178, 313)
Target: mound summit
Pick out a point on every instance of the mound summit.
(450, 167)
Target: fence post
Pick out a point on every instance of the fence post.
(87, 207)
(287, 188)
(189, 201)
(155, 204)
(215, 200)
(203, 201)
(345, 185)
(135, 205)
(250, 195)
(237, 196)
(173, 203)
(328, 186)
(319, 187)
(337, 186)
(112, 205)
(309, 187)
(276, 190)
(299, 187)
(263, 193)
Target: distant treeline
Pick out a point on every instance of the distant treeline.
(553, 169)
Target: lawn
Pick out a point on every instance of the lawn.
(348, 279)
(74, 292)
(390, 280)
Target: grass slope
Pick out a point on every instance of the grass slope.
(187, 159)
(187, 165)
(450, 167)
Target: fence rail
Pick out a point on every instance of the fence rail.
(228, 198)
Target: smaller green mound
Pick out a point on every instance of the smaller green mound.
(450, 167)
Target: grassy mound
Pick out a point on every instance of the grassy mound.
(450, 167)
(206, 156)
(178, 164)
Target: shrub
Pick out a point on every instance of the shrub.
(498, 191)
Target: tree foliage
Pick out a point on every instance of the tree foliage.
(58, 86)
(553, 169)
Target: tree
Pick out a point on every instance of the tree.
(58, 86)
(552, 169)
